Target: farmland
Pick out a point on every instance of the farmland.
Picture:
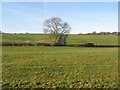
(59, 67)
(72, 39)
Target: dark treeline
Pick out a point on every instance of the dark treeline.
(92, 33)
(101, 33)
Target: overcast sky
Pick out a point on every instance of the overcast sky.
(83, 17)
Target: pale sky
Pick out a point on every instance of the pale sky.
(83, 17)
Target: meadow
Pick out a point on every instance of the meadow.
(59, 67)
(72, 39)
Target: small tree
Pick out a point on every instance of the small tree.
(57, 28)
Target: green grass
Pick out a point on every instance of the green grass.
(28, 38)
(96, 39)
(72, 39)
(59, 67)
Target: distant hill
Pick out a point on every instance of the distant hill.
(72, 39)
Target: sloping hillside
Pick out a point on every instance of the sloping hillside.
(72, 39)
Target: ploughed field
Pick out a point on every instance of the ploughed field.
(59, 67)
(71, 39)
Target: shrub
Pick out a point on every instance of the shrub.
(89, 44)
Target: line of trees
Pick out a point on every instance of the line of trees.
(102, 33)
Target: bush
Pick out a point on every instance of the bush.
(89, 44)
(43, 44)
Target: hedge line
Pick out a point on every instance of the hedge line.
(48, 44)
(24, 44)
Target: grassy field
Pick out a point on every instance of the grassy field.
(72, 39)
(59, 67)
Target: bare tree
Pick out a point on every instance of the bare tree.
(56, 27)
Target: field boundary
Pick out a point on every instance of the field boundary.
(48, 44)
